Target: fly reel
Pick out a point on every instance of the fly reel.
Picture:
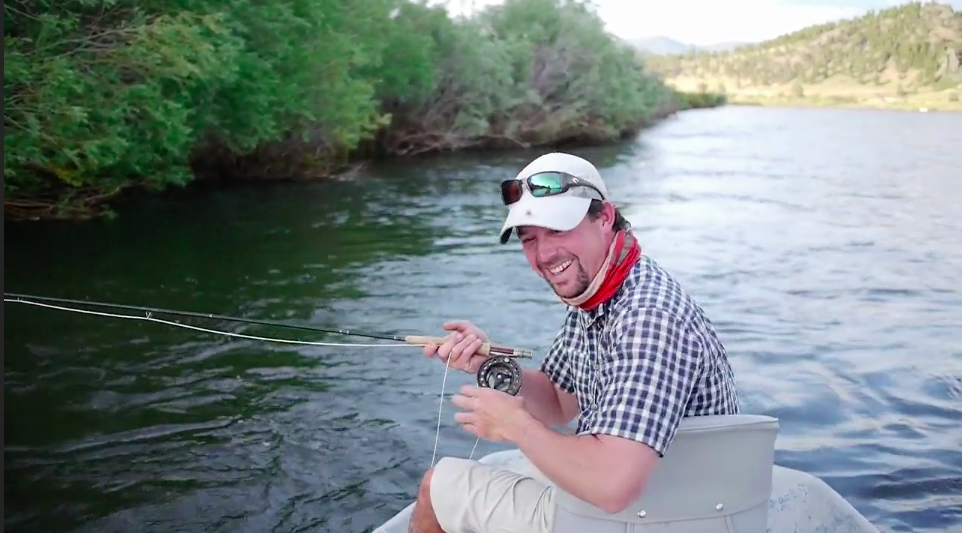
(500, 373)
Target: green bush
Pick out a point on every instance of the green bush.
(103, 96)
(698, 100)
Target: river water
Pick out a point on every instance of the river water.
(825, 244)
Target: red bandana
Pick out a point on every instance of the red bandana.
(622, 256)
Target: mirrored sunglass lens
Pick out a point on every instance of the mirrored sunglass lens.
(545, 184)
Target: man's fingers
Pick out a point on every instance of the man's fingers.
(467, 342)
(463, 351)
(446, 348)
(463, 402)
(430, 350)
(464, 418)
(460, 347)
(453, 349)
(474, 346)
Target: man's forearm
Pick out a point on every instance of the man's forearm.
(577, 464)
(541, 398)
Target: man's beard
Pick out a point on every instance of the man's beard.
(581, 283)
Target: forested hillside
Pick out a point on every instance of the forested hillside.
(100, 96)
(910, 50)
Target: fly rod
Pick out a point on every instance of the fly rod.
(499, 371)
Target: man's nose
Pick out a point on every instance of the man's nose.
(546, 251)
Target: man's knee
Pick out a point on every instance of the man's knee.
(441, 472)
(423, 519)
(424, 491)
(466, 495)
(441, 483)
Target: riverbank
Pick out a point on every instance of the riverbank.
(842, 102)
(699, 100)
(834, 94)
(298, 90)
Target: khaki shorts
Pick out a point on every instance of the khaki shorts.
(470, 497)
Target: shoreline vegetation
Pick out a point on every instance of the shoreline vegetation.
(105, 98)
(906, 57)
(824, 96)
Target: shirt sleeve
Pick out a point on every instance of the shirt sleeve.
(556, 364)
(647, 378)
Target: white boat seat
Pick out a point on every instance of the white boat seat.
(715, 477)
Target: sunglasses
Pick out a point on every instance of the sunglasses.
(543, 184)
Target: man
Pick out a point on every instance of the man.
(634, 356)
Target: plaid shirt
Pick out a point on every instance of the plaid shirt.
(642, 361)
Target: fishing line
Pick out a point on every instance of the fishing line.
(483, 379)
(437, 433)
(148, 318)
(499, 366)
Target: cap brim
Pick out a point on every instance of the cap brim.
(559, 213)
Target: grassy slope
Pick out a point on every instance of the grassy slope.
(909, 57)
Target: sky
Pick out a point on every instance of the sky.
(704, 22)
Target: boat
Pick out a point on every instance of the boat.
(718, 476)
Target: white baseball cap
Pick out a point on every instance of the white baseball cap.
(560, 212)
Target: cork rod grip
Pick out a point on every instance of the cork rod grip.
(424, 340)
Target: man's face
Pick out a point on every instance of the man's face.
(569, 260)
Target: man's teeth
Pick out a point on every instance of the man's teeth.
(560, 268)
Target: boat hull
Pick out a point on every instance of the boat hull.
(799, 503)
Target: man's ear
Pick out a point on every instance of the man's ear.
(607, 215)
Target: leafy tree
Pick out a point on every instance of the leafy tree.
(101, 96)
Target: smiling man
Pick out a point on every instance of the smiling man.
(635, 355)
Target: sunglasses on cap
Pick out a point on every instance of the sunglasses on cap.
(543, 184)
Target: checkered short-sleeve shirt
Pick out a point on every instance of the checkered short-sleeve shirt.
(642, 361)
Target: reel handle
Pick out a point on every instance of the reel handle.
(424, 340)
(487, 349)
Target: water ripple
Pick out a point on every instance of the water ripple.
(827, 257)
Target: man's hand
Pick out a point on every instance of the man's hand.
(461, 347)
(491, 414)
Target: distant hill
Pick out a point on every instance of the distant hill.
(661, 45)
(906, 54)
(723, 47)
